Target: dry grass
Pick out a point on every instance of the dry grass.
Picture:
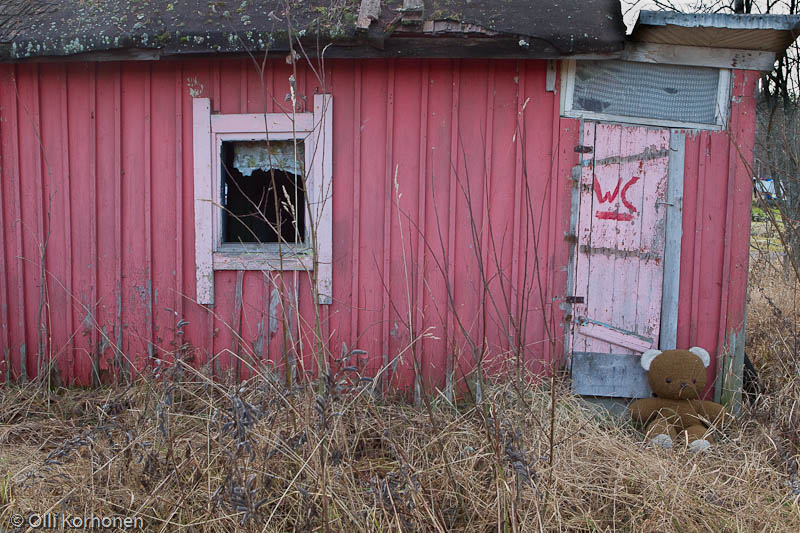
(185, 452)
(205, 457)
(773, 343)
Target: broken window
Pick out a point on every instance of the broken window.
(262, 192)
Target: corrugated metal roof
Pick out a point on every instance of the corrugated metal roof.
(38, 28)
(772, 33)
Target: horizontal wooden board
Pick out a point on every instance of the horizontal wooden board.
(614, 375)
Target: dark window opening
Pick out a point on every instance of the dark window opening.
(263, 200)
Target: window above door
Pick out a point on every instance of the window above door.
(651, 94)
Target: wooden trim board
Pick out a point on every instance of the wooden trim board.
(614, 375)
(672, 248)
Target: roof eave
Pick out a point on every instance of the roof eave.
(448, 44)
(769, 33)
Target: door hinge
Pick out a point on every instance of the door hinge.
(574, 299)
(582, 149)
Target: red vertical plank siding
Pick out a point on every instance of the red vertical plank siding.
(353, 243)
(373, 168)
(82, 192)
(5, 155)
(417, 236)
(743, 137)
(690, 246)
(403, 196)
(435, 230)
(164, 193)
(32, 213)
(54, 206)
(422, 149)
(148, 214)
(253, 321)
(716, 221)
(177, 272)
(345, 232)
(467, 193)
(537, 161)
(501, 195)
(385, 270)
(484, 191)
(107, 181)
(134, 190)
(12, 283)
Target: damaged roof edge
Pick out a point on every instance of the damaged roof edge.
(441, 28)
(441, 46)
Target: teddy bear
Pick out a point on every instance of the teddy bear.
(677, 379)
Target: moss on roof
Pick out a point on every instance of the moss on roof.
(36, 28)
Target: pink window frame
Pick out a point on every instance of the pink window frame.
(210, 130)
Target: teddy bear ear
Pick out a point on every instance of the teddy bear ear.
(647, 358)
(702, 354)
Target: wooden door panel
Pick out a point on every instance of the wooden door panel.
(604, 198)
(653, 233)
(620, 245)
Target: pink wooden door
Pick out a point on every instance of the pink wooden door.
(621, 234)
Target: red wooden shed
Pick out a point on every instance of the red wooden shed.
(407, 190)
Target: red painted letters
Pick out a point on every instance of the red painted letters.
(610, 197)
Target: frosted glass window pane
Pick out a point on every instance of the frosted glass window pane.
(667, 92)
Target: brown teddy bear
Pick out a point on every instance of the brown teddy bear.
(678, 378)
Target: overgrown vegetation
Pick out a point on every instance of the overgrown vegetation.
(191, 453)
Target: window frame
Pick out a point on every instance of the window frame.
(314, 129)
(225, 252)
(720, 114)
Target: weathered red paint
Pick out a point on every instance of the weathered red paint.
(614, 215)
(101, 153)
(716, 227)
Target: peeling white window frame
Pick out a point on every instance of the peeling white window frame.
(720, 114)
(315, 130)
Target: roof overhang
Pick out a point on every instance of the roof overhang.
(750, 42)
(767, 33)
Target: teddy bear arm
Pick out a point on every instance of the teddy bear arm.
(690, 414)
(644, 410)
